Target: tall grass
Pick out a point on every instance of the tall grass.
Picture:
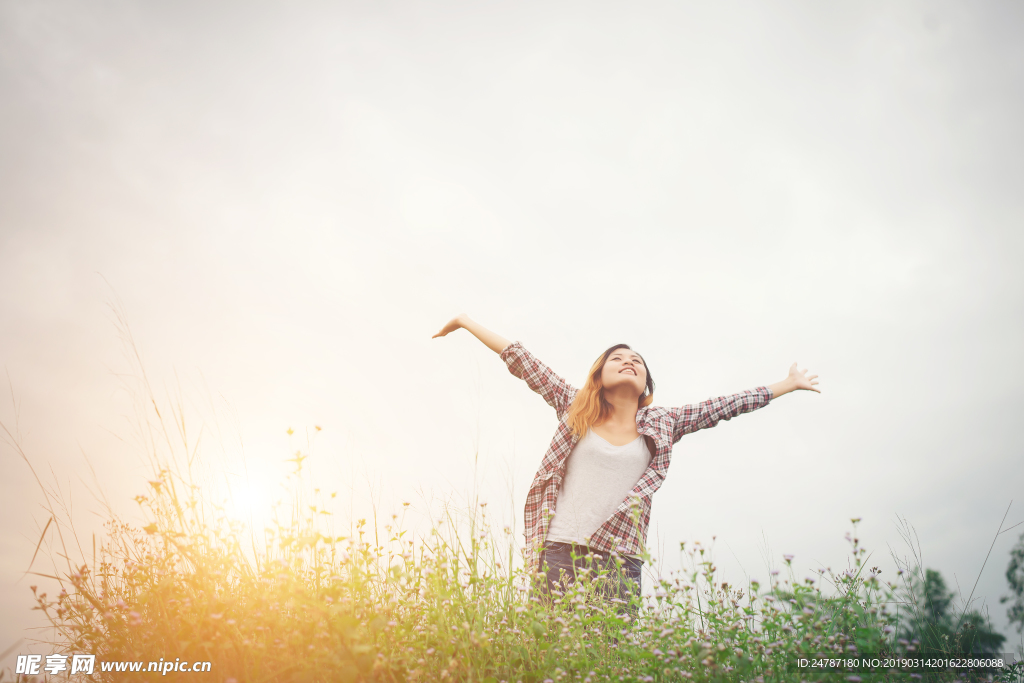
(380, 603)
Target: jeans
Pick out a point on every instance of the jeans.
(621, 581)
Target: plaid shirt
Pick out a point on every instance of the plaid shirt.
(625, 531)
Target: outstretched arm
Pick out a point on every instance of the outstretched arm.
(709, 413)
(797, 379)
(493, 341)
(521, 363)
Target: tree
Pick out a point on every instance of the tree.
(939, 627)
(1015, 577)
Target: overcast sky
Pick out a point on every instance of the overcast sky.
(290, 199)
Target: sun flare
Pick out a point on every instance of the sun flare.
(249, 501)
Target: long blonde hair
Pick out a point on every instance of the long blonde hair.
(589, 407)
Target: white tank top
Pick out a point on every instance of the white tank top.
(598, 476)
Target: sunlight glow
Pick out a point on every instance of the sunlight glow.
(250, 502)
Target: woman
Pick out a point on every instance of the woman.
(590, 502)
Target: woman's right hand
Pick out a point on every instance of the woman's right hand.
(452, 325)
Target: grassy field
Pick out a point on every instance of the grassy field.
(451, 605)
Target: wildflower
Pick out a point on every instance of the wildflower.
(787, 558)
(290, 431)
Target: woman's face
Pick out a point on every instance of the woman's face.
(624, 368)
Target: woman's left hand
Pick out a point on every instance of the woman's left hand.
(801, 380)
(797, 379)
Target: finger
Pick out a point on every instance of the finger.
(812, 377)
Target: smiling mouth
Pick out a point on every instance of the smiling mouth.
(628, 370)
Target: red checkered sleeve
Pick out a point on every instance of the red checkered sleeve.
(556, 391)
(712, 411)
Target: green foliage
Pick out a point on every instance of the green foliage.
(1015, 577)
(937, 628)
